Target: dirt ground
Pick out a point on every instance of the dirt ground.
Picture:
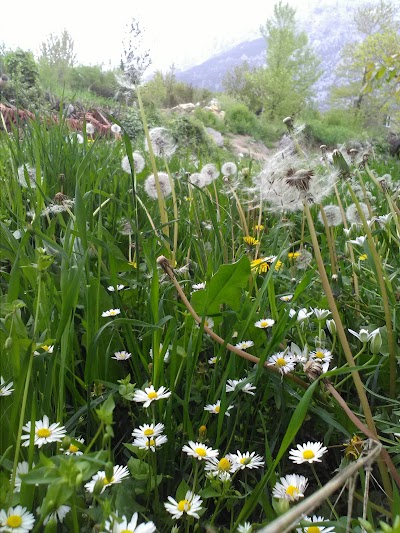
(244, 144)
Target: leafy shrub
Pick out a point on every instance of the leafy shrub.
(241, 120)
(210, 119)
(190, 134)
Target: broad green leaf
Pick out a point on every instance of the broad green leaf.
(225, 287)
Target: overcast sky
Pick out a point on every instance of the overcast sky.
(176, 31)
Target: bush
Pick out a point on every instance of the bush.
(240, 119)
(210, 119)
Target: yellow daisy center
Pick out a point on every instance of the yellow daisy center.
(281, 361)
(224, 464)
(308, 454)
(245, 460)
(313, 529)
(183, 506)
(200, 451)
(43, 433)
(112, 313)
(73, 449)
(14, 521)
(46, 348)
(320, 355)
(264, 324)
(152, 395)
(151, 442)
(217, 408)
(127, 531)
(148, 432)
(107, 481)
(292, 491)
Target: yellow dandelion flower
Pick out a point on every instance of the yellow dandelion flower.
(251, 241)
(363, 257)
(293, 255)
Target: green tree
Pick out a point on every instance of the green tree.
(377, 40)
(22, 88)
(57, 57)
(291, 66)
(240, 83)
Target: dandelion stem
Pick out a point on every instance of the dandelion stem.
(163, 262)
(343, 341)
(382, 281)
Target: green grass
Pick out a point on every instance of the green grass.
(56, 267)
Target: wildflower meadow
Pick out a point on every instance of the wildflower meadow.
(196, 344)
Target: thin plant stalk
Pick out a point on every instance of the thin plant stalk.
(331, 244)
(160, 197)
(343, 340)
(382, 280)
(175, 208)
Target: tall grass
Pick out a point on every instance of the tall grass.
(57, 267)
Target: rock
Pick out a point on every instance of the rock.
(217, 136)
(184, 108)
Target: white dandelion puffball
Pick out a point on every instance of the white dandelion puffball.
(115, 128)
(209, 173)
(151, 188)
(229, 169)
(333, 215)
(162, 142)
(89, 128)
(353, 215)
(26, 171)
(138, 163)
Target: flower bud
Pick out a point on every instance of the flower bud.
(281, 505)
(331, 325)
(8, 344)
(376, 343)
(109, 470)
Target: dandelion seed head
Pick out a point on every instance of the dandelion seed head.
(151, 188)
(209, 173)
(333, 215)
(162, 142)
(198, 180)
(353, 215)
(229, 169)
(26, 171)
(138, 163)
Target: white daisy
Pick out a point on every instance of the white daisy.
(111, 288)
(290, 487)
(283, 362)
(166, 355)
(245, 528)
(150, 395)
(222, 468)
(302, 314)
(22, 468)
(114, 524)
(5, 390)
(241, 461)
(244, 345)
(213, 360)
(208, 322)
(44, 432)
(150, 443)
(264, 323)
(308, 453)
(286, 298)
(121, 356)
(16, 520)
(111, 312)
(297, 354)
(191, 505)
(216, 408)
(148, 431)
(48, 349)
(198, 287)
(73, 449)
(321, 355)
(58, 515)
(314, 528)
(119, 473)
(232, 384)
(199, 450)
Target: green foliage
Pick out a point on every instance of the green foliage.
(291, 66)
(210, 119)
(333, 127)
(240, 119)
(22, 89)
(95, 80)
(191, 135)
(57, 57)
